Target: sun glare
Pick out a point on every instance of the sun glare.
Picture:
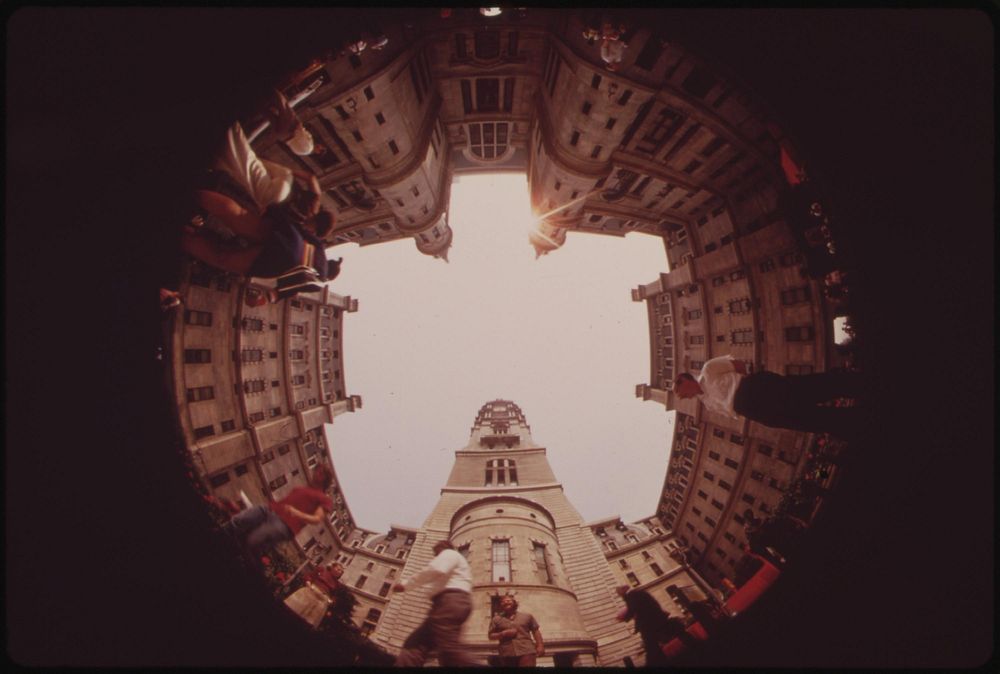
(559, 335)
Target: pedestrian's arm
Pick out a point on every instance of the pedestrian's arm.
(315, 518)
(539, 644)
(309, 178)
(442, 565)
(496, 633)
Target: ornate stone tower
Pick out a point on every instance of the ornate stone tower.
(504, 510)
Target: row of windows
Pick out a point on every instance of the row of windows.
(503, 470)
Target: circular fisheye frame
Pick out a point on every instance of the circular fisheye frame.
(618, 131)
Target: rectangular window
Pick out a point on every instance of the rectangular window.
(393, 147)
(228, 425)
(361, 582)
(702, 495)
(767, 265)
(380, 118)
(793, 369)
(508, 94)
(712, 147)
(466, 96)
(632, 579)
(512, 38)
(461, 51)
(717, 504)
(790, 259)
(731, 463)
(501, 561)
(803, 333)
(624, 98)
(736, 439)
(714, 456)
(574, 138)
(204, 431)
(199, 393)
(541, 562)
(197, 356)
(796, 295)
(487, 44)
(278, 482)
(357, 135)
(195, 317)
(586, 108)
(219, 479)
(748, 498)
(708, 476)
(725, 485)
(681, 142)
(596, 152)
(488, 94)
(692, 166)
(611, 123)
(595, 81)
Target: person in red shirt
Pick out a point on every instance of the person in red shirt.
(260, 527)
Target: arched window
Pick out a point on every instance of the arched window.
(489, 141)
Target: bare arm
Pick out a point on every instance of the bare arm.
(539, 644)
(315, 518)
(503, 634)
(308, 178)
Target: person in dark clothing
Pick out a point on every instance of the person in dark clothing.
(286, 236)
(798, 402)
(782, 534)
(654, 625)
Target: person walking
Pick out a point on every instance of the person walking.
(450, 581)
(654, 625)
(518, 633)
(725, 387)
(261, 526)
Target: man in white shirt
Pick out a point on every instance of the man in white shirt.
(450, 581)
(794, 402)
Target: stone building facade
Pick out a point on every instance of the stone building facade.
(666, 145)
(503, 508)
(254, 388)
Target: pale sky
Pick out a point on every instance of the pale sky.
(560, 336)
